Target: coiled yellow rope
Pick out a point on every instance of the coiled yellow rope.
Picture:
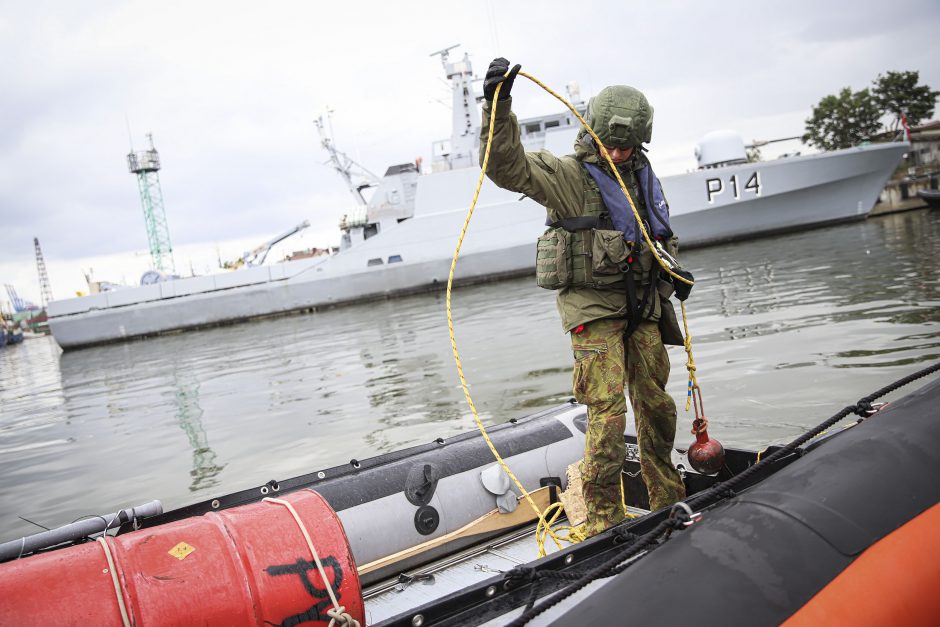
(544, 526)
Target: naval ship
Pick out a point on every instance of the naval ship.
(402, 239)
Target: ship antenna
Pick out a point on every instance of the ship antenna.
(445, 53)
(343, 163)
(130, 137)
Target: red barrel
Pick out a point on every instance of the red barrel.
(249, 565)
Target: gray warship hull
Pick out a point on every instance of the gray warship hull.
(708, 206)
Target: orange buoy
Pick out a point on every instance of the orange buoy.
(250, 565)
(706, 455)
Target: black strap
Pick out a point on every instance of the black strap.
(632, 309)
(639, 312)
(580, 223)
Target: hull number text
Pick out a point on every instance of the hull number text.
(717, 186)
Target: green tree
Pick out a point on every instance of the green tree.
(843, 121)
(898, 91)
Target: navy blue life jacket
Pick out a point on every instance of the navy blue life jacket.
(620, 213)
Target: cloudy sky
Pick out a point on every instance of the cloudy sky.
(230, 91)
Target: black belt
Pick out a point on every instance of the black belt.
(580, 223)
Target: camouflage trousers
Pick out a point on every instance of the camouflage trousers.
(603, 365)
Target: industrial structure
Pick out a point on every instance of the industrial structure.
(257, 256)
(44, 287)
(146, 165)
(19, 304)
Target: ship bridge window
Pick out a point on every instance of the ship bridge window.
(533, 128)
(552, 124)
(394, 259)
(370, 230)
(375, 261)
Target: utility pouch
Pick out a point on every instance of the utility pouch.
(643, 263)
(669, 327)
(552, 259)
(666, 288)
(608, 252)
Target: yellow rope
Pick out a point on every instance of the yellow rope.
(690, 362)
(544, 523)
(572, 534)
(453, 340)
(623, 499)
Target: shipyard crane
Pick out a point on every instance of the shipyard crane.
(44, 287)
(145, 165)
(257, 256)
(356, 176)
(19, 304)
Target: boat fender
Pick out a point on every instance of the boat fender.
(259, 564)
(421, 483)
(497, 482)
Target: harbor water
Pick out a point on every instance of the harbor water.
(786, 331)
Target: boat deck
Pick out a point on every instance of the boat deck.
(390, 598)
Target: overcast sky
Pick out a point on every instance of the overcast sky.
(230, 91)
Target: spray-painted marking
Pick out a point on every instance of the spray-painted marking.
(316, 612)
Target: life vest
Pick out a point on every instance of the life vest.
(594, 249)
(621, 215)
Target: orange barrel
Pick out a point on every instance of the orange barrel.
(249, 565)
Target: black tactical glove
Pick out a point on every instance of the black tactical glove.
(683, 289)
(495, 75)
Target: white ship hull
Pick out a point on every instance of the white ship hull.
(775, 196)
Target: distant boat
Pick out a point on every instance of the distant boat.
(931, 197)
(402, 240)
(14, 337)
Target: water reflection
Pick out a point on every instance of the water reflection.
(189, 414)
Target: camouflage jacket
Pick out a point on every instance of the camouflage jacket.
(564, 188)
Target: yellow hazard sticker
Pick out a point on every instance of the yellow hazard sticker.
(181, 550)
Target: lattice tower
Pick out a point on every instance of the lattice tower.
(146, 165)
(44, 287)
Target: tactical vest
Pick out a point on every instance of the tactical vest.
(596, 249)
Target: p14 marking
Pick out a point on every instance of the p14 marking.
(717, 186)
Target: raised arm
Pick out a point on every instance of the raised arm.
(552, 182)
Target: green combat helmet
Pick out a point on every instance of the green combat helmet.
(621, 116)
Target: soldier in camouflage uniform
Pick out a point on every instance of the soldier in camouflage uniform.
(594, 308)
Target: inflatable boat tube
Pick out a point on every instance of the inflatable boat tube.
(394, 502)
